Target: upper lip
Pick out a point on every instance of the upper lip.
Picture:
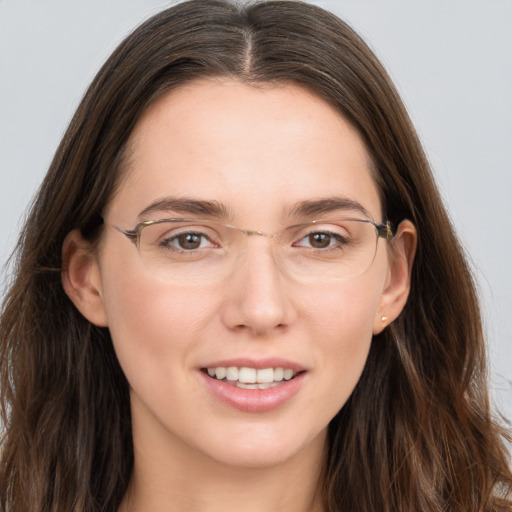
(259, 364)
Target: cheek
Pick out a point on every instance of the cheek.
(346, 311)
(152, 324)
(341, 324)
(346, 336)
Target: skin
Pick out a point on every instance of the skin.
(259, 150)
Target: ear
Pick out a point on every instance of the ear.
(81, 278)
(398, 284)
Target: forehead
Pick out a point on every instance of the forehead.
(257, 149)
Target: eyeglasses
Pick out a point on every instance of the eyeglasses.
(188, 251)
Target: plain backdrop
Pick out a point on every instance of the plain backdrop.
(451, 62)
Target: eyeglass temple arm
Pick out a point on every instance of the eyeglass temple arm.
(385, 230)
(131, 235)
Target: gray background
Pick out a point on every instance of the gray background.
(450, 60)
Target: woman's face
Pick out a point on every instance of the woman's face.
(258, 155)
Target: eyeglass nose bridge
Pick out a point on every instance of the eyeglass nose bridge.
(239, 250)
(257, 232)
(246, 234)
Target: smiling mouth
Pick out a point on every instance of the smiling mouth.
(251, 378)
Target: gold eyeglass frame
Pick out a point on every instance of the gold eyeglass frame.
(383, 230)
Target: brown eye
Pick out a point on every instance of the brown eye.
(319, 240)
(189, 241)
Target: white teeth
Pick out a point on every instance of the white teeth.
(246, 386)
(220, 372)
(267, 385)
(231, 373)
(255, 379)
(266, 375)
(247, 375)
(288, 374)
(256, 386)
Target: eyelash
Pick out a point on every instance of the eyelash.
(167, 243)
(338, 240)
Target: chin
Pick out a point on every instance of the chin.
(249, 451)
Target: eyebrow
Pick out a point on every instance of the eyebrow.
(308, 208)
(311, 208)
(187, 205)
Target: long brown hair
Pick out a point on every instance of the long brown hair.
(417, 433)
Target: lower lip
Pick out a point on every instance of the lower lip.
(254, 400)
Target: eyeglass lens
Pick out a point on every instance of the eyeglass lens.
(206, 251)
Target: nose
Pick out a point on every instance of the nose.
(257, 294)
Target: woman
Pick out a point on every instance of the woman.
(238, 287)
